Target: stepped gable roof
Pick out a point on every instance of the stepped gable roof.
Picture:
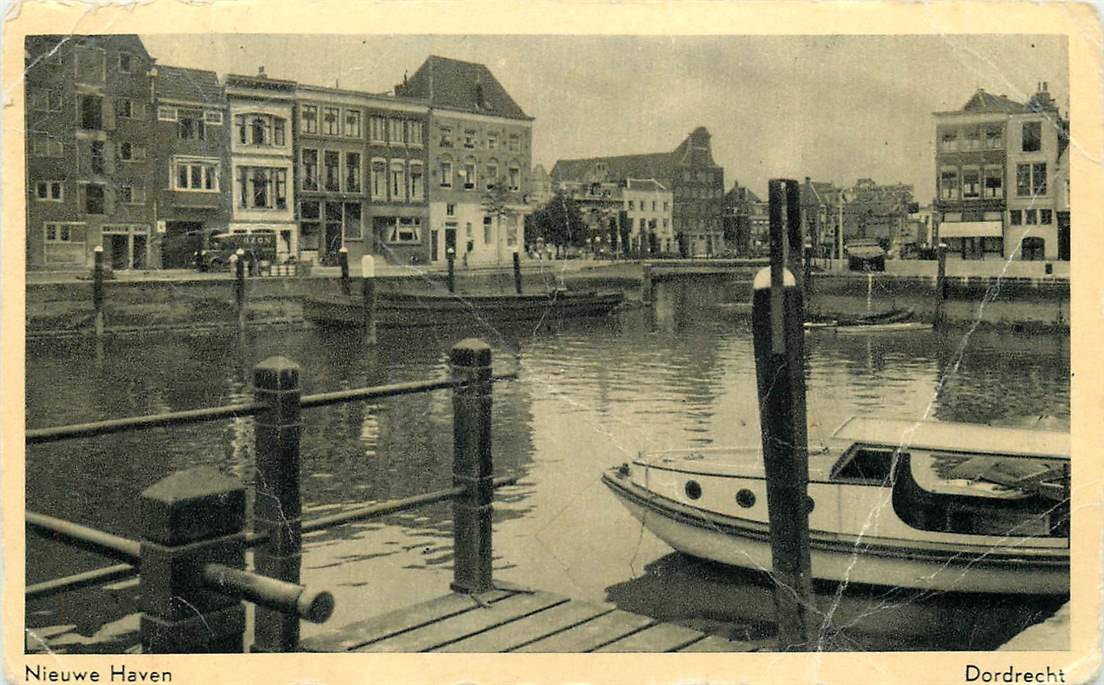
(189, 85)
(466, 86)
(984, 103)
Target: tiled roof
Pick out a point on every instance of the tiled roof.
(656, 165)
(984, 103)
(467, 86)
(647, 184)
(118, 41)
(188, 85)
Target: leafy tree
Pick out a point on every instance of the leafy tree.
(559, 222)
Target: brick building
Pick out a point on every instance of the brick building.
(88, 123)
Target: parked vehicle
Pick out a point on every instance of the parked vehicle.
(259, 247)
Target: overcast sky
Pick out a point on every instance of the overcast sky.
(833, 108)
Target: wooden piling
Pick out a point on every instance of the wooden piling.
(98, 289)
(940, 284)
(647, 285)
(368, 282)
(237, 261)
(517, 272)
(450, 255)
(277, 509)
(778, 340)
(343, 261)
(190, 519)
(470, 363)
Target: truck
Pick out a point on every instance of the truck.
(258, 246)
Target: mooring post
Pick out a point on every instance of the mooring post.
(517, 271)
(343, 261)
(940, 284)
(646, 285)
(778, 340)
(368, 275)
(450, 255)
(472, 467)
(189, 519)
(807, 278)
(98, 289)
(237, 262)
(277, 509)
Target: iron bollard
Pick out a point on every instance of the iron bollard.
(277, 509)
(472, 467)
(343, 261)
(191, 519)
(517, 272)
(450, 255)
(368, 272)
(98, 288)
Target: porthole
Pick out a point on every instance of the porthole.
(693, 490)
(745, 498)
(809, 504)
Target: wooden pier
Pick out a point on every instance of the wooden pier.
(516, 620)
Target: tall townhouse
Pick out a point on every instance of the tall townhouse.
(689, 172)
(191, 146)
(262, 163)
(648, 206)
(88, 122)
(480, 155)
(995, 165)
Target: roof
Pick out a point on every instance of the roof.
(662, 166)
(467, 86)
(955, 437)
(648, 184)
(189, 85)
(118, 41)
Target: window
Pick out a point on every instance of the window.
(1015, 217)
(446, 136)
(309, 224)
(124, 62)
(91, 112)
(308, 160)
(415, 132)
(446, 174)
(262, 188)
(1033, 249)
(308, 118)
(993, 183)
(400, 229)
(334, 220)
(511, 231)
(971, 183)
(994, 137)
(1023, 180)
(1044, 216)
(492, 175)
(132, 195)
(377, 129)
(1031, 179)
(398, 181)
(450, 210)
(1039, 178)
(867, 465)
(515, 179)
(352, 224)
(948, 184)
(992, 245)
(166, 113)
(1032, 136)
(972, 139)
(469, 175)
(278, 132)
(189, 124)
(97, 158)
(470, 135)
(60, 233)
(45, 145)
(129, 152)
(492, 140)
(488, 230)
(331, 162)
(94, 198)
(331, 121)
(1029, 217)
(212, 117)
(379, 179)
(352, 123)
(45, 100)
(124, 107)
(49, 191)
(514, 142)
(948, 139)
(396, 128)
(417, 181)
(653, 205)
(196, 175)
(352, 172)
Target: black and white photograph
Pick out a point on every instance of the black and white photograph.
(349, 343)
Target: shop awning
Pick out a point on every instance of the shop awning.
(971, 229)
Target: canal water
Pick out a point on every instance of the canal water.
(591, 395)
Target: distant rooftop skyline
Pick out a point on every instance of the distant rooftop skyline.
(835, 108)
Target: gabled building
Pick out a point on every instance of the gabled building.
(995, 173)
(88, 151)
(191, 175)
(480, 154)
(689, 172)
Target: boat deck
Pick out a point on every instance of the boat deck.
(517, 620)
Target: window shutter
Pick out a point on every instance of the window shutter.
(108, 114)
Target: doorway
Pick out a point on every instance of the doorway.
(119, 250)
(450, 238)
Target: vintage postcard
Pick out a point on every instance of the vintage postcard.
(496, 342)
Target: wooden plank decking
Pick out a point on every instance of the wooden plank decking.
(516, 620)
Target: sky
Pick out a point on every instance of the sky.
(834, 108)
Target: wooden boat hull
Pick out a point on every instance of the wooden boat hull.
(844, 559)
(405, 310)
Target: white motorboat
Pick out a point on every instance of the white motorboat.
(913, 504)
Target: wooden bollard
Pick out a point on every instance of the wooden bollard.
(777, 319)
(472, 467)
(368, 276)
(190, 519)
(940, 284)
(450, 255)
(277, 509)
(517, 272)
(237, 262)
(98, 289)
(646, 285)
(343, 261)
(807, 278)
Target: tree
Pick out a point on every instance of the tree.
(559, 222)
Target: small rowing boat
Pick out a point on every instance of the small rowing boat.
(912, 504)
